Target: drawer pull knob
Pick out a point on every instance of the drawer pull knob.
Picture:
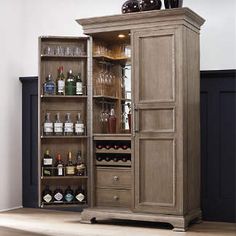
(116, 178)
(116, 198)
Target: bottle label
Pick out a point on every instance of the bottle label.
(60, 86)
(47, 198)
(46, 172)
(80, 169)
(60, 170)
(58, 197)
(80, 197)
(49, 88)
(68, 127)
(48, 127)
(47, 161)
(79, 88)
(79, 128)
(69, 197)
(58, 127)
(70, 170)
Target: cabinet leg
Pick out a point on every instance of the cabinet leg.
(180, 229)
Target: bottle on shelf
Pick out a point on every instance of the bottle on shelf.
(70, 168)
(79, 85)
(116, 146)
(49, 86)
(107, 158)
(47, 195)
(70, 86)
(99, 146)
(47, 164)
(112, 122)
(60, 82)
(58, 195)
(80, 165)
(99, 158)
(58, 126)
(69, 195)
(79, 126)
(80, 194)
(48, 125)
(68, 126)
(59, 166)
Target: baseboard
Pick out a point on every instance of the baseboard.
(10, 209)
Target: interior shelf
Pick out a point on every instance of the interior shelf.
(63, 177)
(63, 205)
(112, 137)
(64, 137)
(114, 151)
(63, 57)
(63, 97)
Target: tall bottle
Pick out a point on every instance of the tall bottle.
(112, 122)
(58, 126)
(79, 85)
(47, 164)
(68, 126)
(47, 195)
(79, 126)
(59, 166)
(80, 165)
(70, 85)
(69, 195)
(70, 168)
(48, 125)
(49, 86)
(60, 82)
(80, 194)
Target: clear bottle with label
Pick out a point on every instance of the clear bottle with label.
(79, 85)
(79, 126)
(58, 195)
(59, 166)
(47, 164)
(58, 126)
(70, 85)
(80, 194)
(68, 126)
(70, 167)
(80, 165)
(47, 195)
(48, 125)
(49, 86)
(69, 195)
(60, 82)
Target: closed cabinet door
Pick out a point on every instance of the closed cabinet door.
(157, 120)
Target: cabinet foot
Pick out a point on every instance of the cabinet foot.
(180, 229)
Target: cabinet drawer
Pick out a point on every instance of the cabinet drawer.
(113, 177)
(113, 197)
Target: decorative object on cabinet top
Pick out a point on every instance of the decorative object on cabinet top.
(130, 6)
(148, 5)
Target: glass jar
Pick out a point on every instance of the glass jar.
(130, 6)
(148, 5)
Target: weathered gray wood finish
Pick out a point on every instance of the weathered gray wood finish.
(165, 93)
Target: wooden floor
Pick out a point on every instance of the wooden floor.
(38, 222)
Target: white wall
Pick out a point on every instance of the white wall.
(22, 21)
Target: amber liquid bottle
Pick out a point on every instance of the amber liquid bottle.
(70, 168)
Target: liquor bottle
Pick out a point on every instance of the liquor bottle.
(80, 194)
(47, 195)
(59, 166)
(80, 165)
(48, 125)
(58, 126)
(49, 86)
(99, 158)
(47, 163)
(70, 168)
(112, 122)
(58, 195)
(69, 195)
(79, 85)
(79, 126)
(68, 126)
(70, 86)
(60, 82)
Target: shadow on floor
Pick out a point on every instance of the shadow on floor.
(6, 231)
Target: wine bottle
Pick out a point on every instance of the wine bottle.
(60, 82)
(47, 164)
(58, 195)
(70, 168)
(59, 171)
(80, 194)
(80, 165)
(47, 195)
(69, 195)
(70, 86)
